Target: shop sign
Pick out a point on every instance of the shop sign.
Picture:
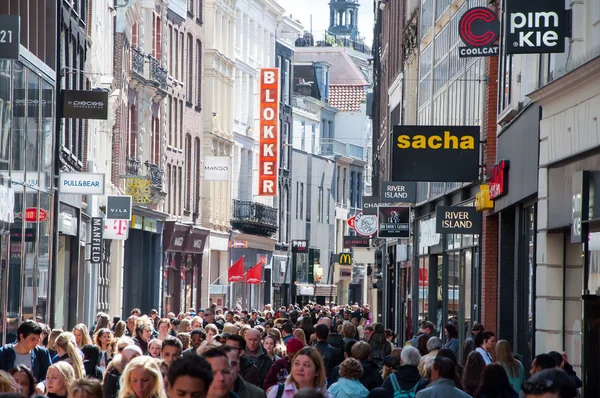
(7, 204)
(84, 104)
(21, 180)
(81, 183)
(356, 241)
(394, 222)
(307, 290)
(479, 29)
(458, 220)
(150, 225)
(398, 192)
(137, 222)
(32, 215)
(116, 229)
(345, 259)
(299, 246)
(499, 180)
(482, 198)
(238, 244)
(268, 160)
(363, 224)
(9, 36)
(217, 168)
(435, 153)
(535, 26)
(371, 203)
(580, 201)
(194, 242)
(16, 234)
(139, 189)
(96, 241)
(427, 235)
(118, 207)
(346, 274)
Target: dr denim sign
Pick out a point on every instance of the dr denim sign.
(535, 26)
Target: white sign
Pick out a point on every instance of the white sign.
(116, 229)
(427, 235)
(365, 225)
(217, 168)
(7, 204)
(81, 183)
(33, 180)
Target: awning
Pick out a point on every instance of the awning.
(317, 290)
(194, 242)
(174, 236)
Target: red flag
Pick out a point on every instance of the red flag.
(236, 271)
(253, 275)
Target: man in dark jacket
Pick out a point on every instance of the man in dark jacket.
(281, 368)
(26, 351)
(380, 347)
(247, 368)
(469, 344)
(242, 388)
(336, 340)
(257, 354)
(331, 355)
(408, 374)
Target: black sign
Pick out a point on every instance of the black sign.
(299, 246)
(457, 220)
(81, 104)
(96, 241)
(345, 259)
(435, 153)
(580, 206)
(398, 192)
(16, 235)
(479, 28)
(9, 36)
(394, 222)
(356, 241)
(118, 208)
(535, 26)
(371, 203)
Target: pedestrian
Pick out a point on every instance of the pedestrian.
(142, 379)
(485, 342)
(451, 332)
(185, 340)
(170, 350)
(390, 365)
(112, 376)
(495, 384)
(348, 385)
(222, 383)
(103, 321)
(471, 377)
(308, 371)
(380, 346)
(371, 377)
(105, 342)
(257, 354)
(131, 321)
(542, 362)
(441, 385)
(549, 383)
(299, 334)
(8, 385)
(434, 345)
(189, 376)
(426, 330)
(59, 378)
(85, 388)
(91, 358)
(82, 335)
(211, 331)
(306, 325)
(120, 329)
(26, 351)
(469, 344)
(154, 347)
(562, 364)
(407, 378)
(281, 368)
(513, 367)
(185, 326)
(240, 386)
(142, 333)
(269, 345)
(331, 356)
(51, 347)
(67, 351)
(25, 379)
(248, 369)
(163, 329)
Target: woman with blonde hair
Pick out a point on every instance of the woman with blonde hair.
(185, 326)
(230, 328)
(513, 367)
(279, 349)
(67, 351)
(7, 383)
(82, 335)
(299, 334)
(85, 388)
(133, 381)
(52, 341)
(308, 372)
(58, 379)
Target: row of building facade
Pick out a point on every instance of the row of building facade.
(531, 275)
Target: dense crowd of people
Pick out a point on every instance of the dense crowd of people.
(316, 351)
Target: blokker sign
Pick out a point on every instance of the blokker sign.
(535, 26)
(269, 132)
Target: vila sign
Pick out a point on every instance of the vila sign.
(118, 208)
(457, 220)
(81, 183)
(479, 28)
(398, 192)
(435, 153)
(96, 241)
(217, 168)
(82, 104)
(9, 36)
(269, 132)
(394, 222)
(535, 26)
(499, 180)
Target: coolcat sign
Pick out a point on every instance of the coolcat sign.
(535, 26)
(479, 28)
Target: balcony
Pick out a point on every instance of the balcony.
(331, 147)
(254, 218)
(156, 175)
(146, 70)
(324, 38)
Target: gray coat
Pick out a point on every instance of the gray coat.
(442, 388)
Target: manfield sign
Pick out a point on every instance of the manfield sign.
(435, 153)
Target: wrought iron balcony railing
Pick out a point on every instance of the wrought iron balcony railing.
(132, 167)
(254, 218)
(148, 68)
(156, 175)
(137, 60)
(157, 72)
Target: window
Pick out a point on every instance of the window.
(302, 201)
(344, 187)
(198, 175)
(174, 142)
(180, 54)
(198, 73)
(313, 138)
(286, 81)
(155, 140)
(188, 172)
(320, 204)
(179, 193)
(189, 89)
(170, 50)
(327, 211)
(175, 56)
(134, 35)
(181, 124)
(170, 100)
(425, 76)
(190, 7)
(352, 190)
(359, 188)
(200, 12)
(302, 135)
(337, 185)
(156, 37)
(132, 135)
(169, 192)
(297, 198)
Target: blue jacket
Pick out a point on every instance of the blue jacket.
(442, 388)
(346, 388)
(40, 360)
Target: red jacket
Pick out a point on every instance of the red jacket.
(278, 373)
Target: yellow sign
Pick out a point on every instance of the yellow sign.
(482, 198)
(138, 188)
(136, 221)
(345, 259)
(448, 141)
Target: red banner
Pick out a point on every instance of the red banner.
(268, 162)
(254, 274)
(236, 271)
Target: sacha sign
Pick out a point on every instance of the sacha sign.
(479, 28)
(457, 220)
(435, 153)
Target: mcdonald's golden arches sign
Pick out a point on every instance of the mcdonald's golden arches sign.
(345, 259)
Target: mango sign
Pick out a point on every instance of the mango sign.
(268, 160)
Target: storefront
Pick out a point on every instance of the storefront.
(191, 268)
(174, 236)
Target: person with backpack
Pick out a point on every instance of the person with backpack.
(443, 372)
(406, 381)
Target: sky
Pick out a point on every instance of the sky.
(302, 10)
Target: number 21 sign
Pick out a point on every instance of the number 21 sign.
(9, 36)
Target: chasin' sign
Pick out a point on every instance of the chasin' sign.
(269, 133)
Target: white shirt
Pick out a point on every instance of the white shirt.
(487, 358)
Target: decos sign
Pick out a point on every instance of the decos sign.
(269, 132)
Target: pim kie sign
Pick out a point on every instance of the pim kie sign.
(457, 220)
(499, 180)
(269, 133)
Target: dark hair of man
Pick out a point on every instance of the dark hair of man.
(557, 357)
(445, 367)
(199, 331)
(287, 327)
(230, 313)
(239, 339)
(215, 353)
(428, 325)
(135, 310)
(348, 347)
(193, 366)
(227, 349)
(171, 343)
(322, 332)
(550, 381)
(153, 312)
(369, 328)
(28, 327)
(545, 361)
(482, 337)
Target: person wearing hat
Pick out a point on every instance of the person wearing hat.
(469, 344)
(281, 368)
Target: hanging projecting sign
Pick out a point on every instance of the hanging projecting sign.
(116, 229)
(363, 224)
(118, 208)
(299, 246)
(435, 153)
(356, 241)
(139, 189)
(217, 168)
(84, 104)
(96, 240)
(398, 192)
(580, 202)
(370, 205)
(457, 220)
(268, 160)
(81, 183)
(535, 26)
(394, 222)
(345, 259)
(499, 180)
(9, 36)
(479, 28)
